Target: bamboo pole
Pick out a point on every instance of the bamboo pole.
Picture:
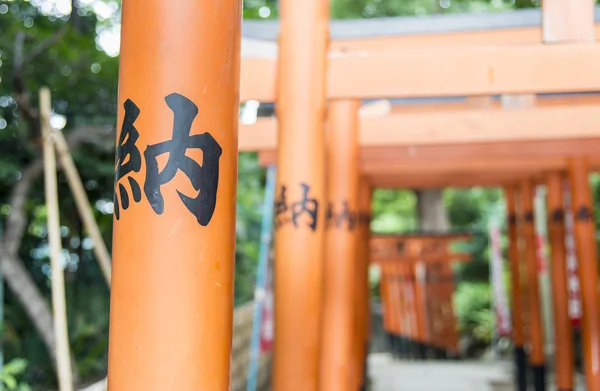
(61, 335)
(82, 203)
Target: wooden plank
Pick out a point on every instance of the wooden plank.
(510, 36)
(457, 71)
(568, 21)
(258, 136)
(442, 181)
(429, 258)
(524, 166)
(456, 126)
(424, 154)
(258, 79)
(475, 125)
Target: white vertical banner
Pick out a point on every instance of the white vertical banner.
(541, 249)
(499, 296)
(573, 287)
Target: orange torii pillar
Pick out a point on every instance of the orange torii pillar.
(431, 306)
(537, 359)
(300, 203)
(339, 279)
(563, 336)
(585, 236)
(384, 293)
(395, 297)
(363, 293)
(420, 296)
(405, 320)
(174, 230)
(517, 299)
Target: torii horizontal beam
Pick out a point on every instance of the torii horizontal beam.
(572, 120)
(502, 36)
(437, 181)
(443, 71)
(429, 258)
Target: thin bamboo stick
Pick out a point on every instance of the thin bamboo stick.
(61, 336)
(83, 204)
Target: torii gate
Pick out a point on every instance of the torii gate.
(407, 287)
(172, 330)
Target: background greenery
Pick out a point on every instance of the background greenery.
(83, 79)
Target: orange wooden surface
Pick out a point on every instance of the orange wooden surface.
(568, 21)
(563, 333)
(536, 354)
(299, 243)
(462, 126)
(437, 181)
(339, 280)
(420, 298)
(172, 292)
(384, 294)
(258, 79)
(515, 269)
(585, 237)
(465, 70)
(363, 292)
(504, 36)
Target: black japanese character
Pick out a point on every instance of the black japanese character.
(128, 158)
(557, 215)
(584, 214)
(204, 178)
(338, 219)
(307, 205)
(281, 207)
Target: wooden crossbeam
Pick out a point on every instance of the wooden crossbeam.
(505, 36)
(429, 258)
(437, 181)
(258, 79)
(442, 71)
(403, 127)
(465, 70)
(417, 247)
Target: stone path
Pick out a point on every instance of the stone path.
(390, 375)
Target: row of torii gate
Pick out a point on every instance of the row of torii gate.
(416, 288)
(174, 238)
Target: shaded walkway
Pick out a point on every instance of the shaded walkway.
(390, 375)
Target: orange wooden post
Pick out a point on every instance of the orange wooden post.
(384, 291)
(421, 332)
(409, 299)
(176, 172)
(517, 299)
(585, 236)
(337, 371)
(404, 313)
(395, 306)
(300, 205)
(536, 357)
(363, 293)
(563, 336)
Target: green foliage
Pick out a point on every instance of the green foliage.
(9, 376)
(472, 303)
(347, 9)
